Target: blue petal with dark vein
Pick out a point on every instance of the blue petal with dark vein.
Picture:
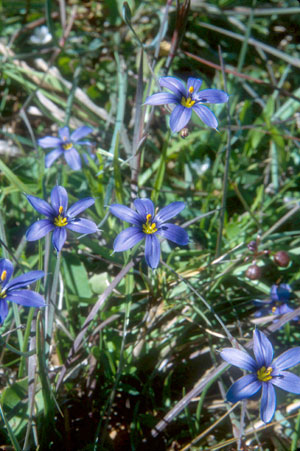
(59, 198)
(24, 279)
(41, 206)
(59, 237)
(82, 225)
(169, 211)
(80, 206)
(73, 159)
(174, 233)
(152, 251)
(125, 214)
(39, 229)
(127, 239)
(268, 402)
(179, 118)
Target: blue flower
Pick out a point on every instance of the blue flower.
(265, 373)
(10, 290)
(59, 217)
(64, 145)
(186, 100)
(147, 224)
(277, 304)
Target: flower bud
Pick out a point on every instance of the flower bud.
(254, 272)
(281, 258)
(184, 133)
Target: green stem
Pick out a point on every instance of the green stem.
(10, 431)
(50, 309)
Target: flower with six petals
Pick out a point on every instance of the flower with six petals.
(277, 304)
(10, 290)
(265, 373)
(64, 145)
(147, 224)
(59, 217)
(186, 100)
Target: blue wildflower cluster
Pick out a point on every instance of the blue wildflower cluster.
(152, 226)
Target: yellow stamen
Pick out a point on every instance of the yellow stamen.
(148, 227)
(67, 146)
(274, 309)
(60, 221)
(3, 294)
(3, 275)
(263, 373)
(61, 209)
(188, 103)
(191, 89)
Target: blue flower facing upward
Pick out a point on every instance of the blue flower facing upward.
(147, 224)
(277, 304)
(186, 100)
(64, 145)
(265, 373)
(10, 290)
(59, 217)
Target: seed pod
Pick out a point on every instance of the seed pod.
(252, 246)
(281, 258)
(254, 272)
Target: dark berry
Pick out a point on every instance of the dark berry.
(253, 272)
(281, 258)
(252, 246)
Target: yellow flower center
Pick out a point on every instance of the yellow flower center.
(67, 146)
(263, 373)
(149, 227)
(3, 275)
(188, 103)
(60, 220)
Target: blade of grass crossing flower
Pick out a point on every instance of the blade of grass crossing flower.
(215, 372)
(159, 178)
(12, 437)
